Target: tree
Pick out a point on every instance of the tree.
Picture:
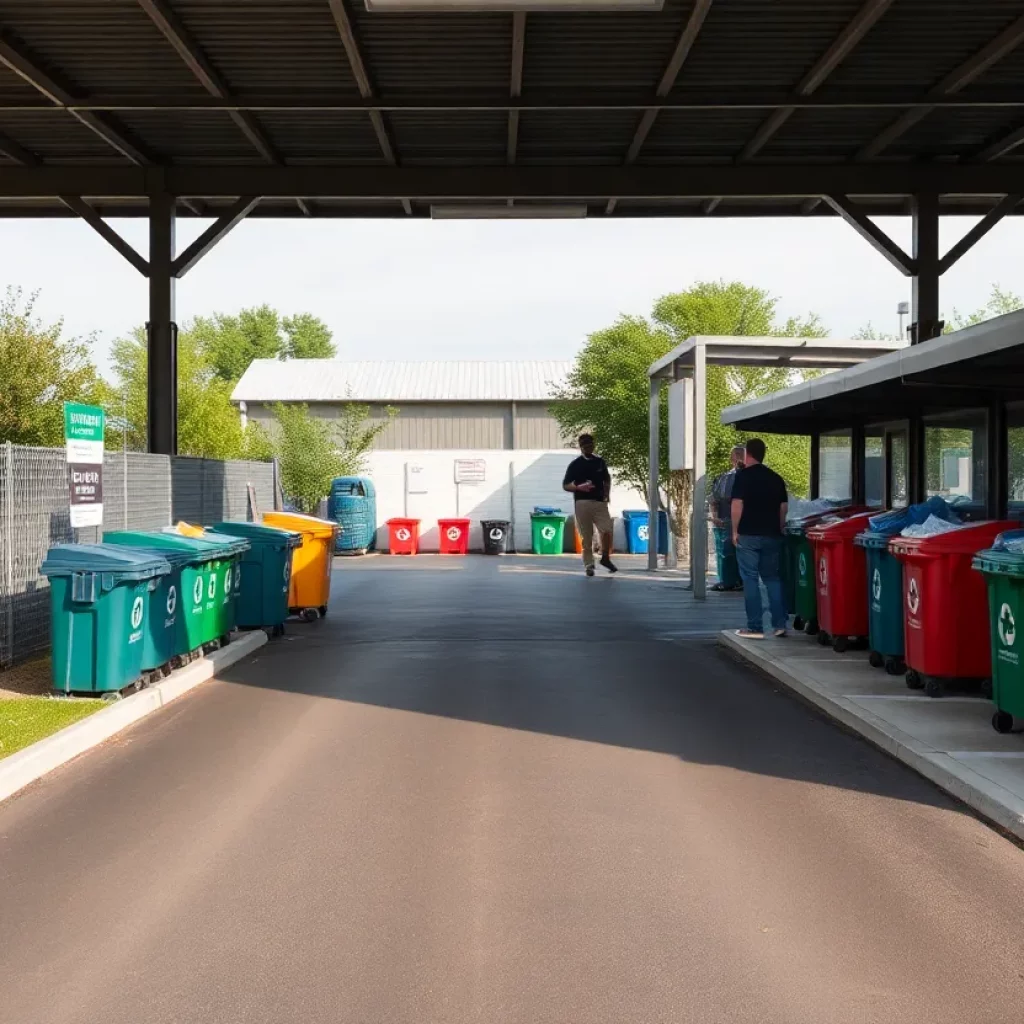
(232, 341)
(313, 450)
(999, 303)
(39, 372)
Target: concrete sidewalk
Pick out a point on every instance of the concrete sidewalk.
(949, 740)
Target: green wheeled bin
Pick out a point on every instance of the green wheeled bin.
(885, 603)
(1002, 565)
(229, 579)
(99, 603)
(548, 532)
(805, 584)
(266, 574)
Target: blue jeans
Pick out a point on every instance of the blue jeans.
(759, 559)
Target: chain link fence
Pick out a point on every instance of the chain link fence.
(140, 492)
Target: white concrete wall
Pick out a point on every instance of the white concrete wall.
(515, 482)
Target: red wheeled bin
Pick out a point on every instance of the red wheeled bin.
(454, 534)
(945, 608)
(403, 536)
(841, 581)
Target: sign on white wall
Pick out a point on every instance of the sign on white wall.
(416, 479)
(680, 424)
(470, 471)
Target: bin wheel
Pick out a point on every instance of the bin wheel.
(934, 687)
(986, 689)
(895, 666)
(914, 680)
(875, 660)
(278, 630)
(323, 611)
(841, 644)
(798, 623)
(310, 614)
(812, 627)
(1002, 721)
(824, 639)
(111, 696)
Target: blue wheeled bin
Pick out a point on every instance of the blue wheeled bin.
(637, 523)
(266, 574)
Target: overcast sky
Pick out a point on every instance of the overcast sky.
(491, 290)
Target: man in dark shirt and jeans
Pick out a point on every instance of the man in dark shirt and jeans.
(759, 504)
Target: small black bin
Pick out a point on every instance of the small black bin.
(495, 536)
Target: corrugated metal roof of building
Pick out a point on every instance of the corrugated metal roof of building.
(332, 380)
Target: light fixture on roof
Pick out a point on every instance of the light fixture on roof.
(383, 6)
(504, 212)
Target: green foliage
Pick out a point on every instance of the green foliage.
(233, 341)
(257, 444)
(999, 303)
(39, 372)
(314, 450)
(607, 390)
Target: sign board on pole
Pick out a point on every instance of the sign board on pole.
(470, 471)
(83, 438)
(680, 424)
(416, 479)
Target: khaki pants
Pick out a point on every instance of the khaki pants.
(590, 516)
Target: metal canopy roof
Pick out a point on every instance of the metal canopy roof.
(971, 367)
(723, 107)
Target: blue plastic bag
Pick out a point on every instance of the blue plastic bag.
(898, 519)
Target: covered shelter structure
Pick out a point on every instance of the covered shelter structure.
(225, 109)
(946, 418)
(690, 360)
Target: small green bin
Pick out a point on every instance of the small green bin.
(99, 604)
(548, 533)
(266, 573)
(885, 602)
(1003, 569)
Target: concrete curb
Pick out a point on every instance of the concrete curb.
(989, 799)
(32, 763)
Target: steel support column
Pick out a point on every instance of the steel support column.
(815, 465)
(699, 528)
(857, 465)
(917, 480)
(162, 330)
(998, 458)
(653, 474)
(925, 323)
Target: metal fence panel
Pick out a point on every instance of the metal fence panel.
(140, 492)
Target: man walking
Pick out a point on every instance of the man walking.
(588, 480)
(721, 522)
(759, 504)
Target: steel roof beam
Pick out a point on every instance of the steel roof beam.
(219, 229)
(1005, 206)
(1001, 146)
(684, 44)
(959, 78)
(571, 183)
(22, 65)
(106, 232)
(516, 82)
(365, 85)
(872, 234)
(174, 31)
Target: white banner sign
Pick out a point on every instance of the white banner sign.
(83, 438)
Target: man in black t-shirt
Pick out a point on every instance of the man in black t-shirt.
(759, 504)
(588, 480)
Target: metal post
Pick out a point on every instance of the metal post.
(815, 465)
(8, 651)
(917, 482)
(998, 459)
(925, 323)
(512, 504)
(124, 451)
(654, 455)
(699, 530)
(162, 330)
(857, 466)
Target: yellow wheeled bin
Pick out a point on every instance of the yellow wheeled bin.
(310, 589)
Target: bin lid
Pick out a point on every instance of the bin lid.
(872, 539)
(1004, 558)
(231, 545)
(257, 533)
(311, 525)
(121, 563)
(559, 517)
(454, 522)
(191, 549)
(965, 540)
(399, 521)
(844, 529)
(636, 513)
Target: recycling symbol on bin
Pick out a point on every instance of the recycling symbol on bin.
(211, 589)
(137, 613)
(803, 564)
(197, 591)
(547, 532)
(287, 569)
(643, 532)
(876, 585)
(913, 597)
(238, 576)
(454, 533)
(496, 533)
(823, 571)
(172, 599)
(403, 534)
(1007, 626)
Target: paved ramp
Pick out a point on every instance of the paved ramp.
(496, 791)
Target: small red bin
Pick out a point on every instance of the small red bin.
(840, 571)
(945, 603)
(404, 536)
(454, 534)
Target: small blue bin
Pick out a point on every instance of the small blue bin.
(637, 524)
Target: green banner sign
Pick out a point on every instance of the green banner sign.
(83, 437)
